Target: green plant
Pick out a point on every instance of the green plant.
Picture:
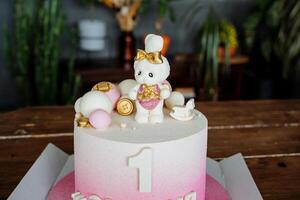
(33, 48)
(163, 8)
(209, 41)
(228, 34)
(213, 33)
(273, 32)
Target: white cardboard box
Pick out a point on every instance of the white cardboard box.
(53, 164)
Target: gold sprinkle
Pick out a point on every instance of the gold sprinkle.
(123, 125)
(83, 122)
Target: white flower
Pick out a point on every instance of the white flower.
(79, 196)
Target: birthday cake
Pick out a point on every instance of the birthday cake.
(139, 140)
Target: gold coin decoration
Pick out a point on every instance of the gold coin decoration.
(125, 106)
(83, 122)
(102, 86)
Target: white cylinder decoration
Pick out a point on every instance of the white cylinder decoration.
(92, 33)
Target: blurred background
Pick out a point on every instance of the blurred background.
(52, 51)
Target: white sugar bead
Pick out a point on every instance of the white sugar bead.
(123, 125)
(95, 100)
(126, 85)
(175, 99)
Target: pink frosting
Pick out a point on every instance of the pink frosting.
(63, 188)
(100, 119)
(66, 186)
(214, 190)
(149, 104)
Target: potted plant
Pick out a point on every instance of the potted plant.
(273, 41)
(228, 36)
(215, 41)
(209, 40)
(33, 51)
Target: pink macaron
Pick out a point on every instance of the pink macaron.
(110, 89)
(113, 94)
(100, 119)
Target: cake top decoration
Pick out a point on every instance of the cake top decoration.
(184, 113)
(145, 96)
(93, 109)
(151, 70)
(152, 57)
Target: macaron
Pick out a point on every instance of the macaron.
(110, 89)
(175, 99)
(126, 85)
(100, 119)
(92, 101)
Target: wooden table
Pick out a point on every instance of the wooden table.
(267, 133)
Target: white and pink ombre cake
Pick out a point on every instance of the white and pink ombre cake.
(127, 146)
(133, 161)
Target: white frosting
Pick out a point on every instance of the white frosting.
(169, 130)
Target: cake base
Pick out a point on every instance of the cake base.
(63, 189)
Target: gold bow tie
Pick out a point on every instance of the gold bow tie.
(152, 57)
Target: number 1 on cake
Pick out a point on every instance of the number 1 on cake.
(143, 161)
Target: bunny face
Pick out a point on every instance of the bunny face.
(150, 74)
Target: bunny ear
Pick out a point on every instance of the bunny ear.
(153, 43)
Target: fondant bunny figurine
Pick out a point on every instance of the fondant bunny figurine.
(151, 70)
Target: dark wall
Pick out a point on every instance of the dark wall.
(182, 35)
(235, 10)
(8, 94)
